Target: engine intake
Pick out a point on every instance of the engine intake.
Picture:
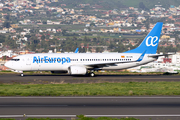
(77, 70)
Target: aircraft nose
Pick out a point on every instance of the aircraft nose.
(7, 64)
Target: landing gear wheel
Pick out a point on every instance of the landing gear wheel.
(92, 74)
(22, 74)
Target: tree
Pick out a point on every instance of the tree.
(44, 22)
(4, 58)
(64, 32)
(48, 14)
(2, 38)
(142, 6)
(92, 24)
(6, 24)
(43, 37)
(98, 49)
(7, 17)
(89, 29)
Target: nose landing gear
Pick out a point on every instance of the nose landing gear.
(22, 74)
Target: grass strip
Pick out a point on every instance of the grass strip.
(91, 89)
(7, 119)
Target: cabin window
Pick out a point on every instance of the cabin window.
(15, 59)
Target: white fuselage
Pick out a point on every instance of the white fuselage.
(80, 63)
(62, 61)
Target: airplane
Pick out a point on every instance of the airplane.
(86, 63)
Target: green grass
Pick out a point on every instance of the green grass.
(92, 89)
(7, 119)
(82, 117)
(5, 71)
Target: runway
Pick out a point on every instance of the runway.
(143, 108)
(47, 79)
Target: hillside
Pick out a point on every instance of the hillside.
(115, 4)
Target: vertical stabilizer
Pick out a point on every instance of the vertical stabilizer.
(150, 43)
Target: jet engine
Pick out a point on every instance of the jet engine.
(77, 70)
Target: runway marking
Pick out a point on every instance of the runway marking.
(34, 105)
(16, 116)
(131, 97)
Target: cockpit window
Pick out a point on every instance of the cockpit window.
(15, 59)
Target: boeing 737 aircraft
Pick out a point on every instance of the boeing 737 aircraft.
(84, 63)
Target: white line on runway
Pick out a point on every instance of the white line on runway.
(34, 105)
(3, 116)
(16, 116)
(161, 97)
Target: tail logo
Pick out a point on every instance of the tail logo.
(150, 41)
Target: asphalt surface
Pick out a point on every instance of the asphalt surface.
(144, 108)
(47, 79)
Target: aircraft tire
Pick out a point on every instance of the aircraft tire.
(22, 74)
(92, 74)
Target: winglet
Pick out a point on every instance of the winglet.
(76, 51)
(141, 57)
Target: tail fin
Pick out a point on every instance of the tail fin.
(76, 51)
(150, 43)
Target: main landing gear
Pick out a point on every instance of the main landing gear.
(22, 74)
(91, 74)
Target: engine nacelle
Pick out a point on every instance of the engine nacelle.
(77, 70)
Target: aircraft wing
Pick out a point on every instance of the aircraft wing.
(97, 65)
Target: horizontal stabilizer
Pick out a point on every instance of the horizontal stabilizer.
(157, 55)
